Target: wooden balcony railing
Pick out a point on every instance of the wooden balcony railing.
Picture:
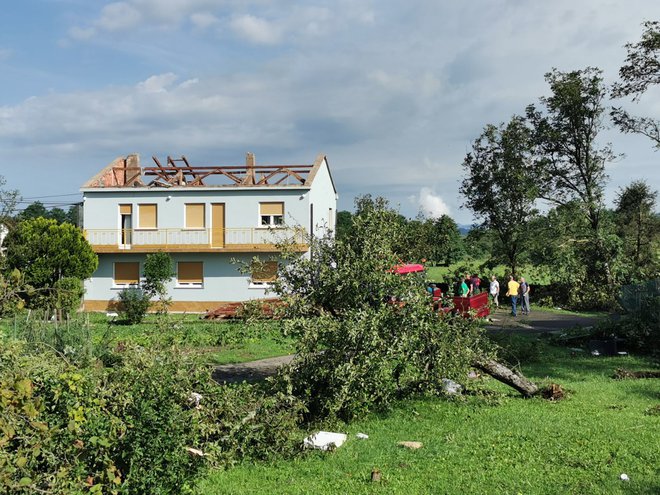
(195, 240)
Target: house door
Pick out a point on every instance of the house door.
(217, 225)
(126, 234)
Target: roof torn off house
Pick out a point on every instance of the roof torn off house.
(127, 172)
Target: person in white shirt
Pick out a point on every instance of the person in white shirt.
(494, 291)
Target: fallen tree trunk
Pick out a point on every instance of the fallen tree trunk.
(507, 376)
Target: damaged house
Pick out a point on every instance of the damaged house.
(206, 218)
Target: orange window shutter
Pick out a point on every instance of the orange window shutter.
(265, 272)
(127, 272)
(195, 216)
(272, 208)
(148, 216)
(190, 272)
(125, 209)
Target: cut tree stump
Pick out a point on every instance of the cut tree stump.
(507, 376)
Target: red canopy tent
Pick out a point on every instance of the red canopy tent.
(408, 268)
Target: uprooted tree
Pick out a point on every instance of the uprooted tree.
(365, 335)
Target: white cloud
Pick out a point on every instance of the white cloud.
(158, 83)
(118, 16)
(431, 204)
(256, 30)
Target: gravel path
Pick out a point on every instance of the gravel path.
(251, 372)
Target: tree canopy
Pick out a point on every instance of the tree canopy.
(500, 184)
(46, 251)
(640, 71)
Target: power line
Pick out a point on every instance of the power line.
(53, 196)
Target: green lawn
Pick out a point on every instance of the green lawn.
(214, 341)
(533, 275)
(490, 442)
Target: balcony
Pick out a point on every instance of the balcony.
(212, 240)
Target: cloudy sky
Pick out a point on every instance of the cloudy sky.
(392, 91)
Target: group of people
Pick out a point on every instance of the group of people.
(516, 290)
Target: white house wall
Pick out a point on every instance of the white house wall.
(241, 207)
(222, 281)
(323, 197)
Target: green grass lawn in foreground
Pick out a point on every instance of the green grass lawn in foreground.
(490, 444)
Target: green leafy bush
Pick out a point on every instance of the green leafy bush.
(133, 304)
(133, 427)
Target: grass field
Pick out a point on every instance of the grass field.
(533, 275)
(214, 341)
(490, 442)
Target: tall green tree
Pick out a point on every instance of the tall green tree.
(35, 209)
(344, 224)
(639, 226)
(500, 185)
(640, 71)
(569, 159)
(45, 252)
(446, 241)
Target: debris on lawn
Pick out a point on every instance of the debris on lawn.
(553, 392)
(376, 475)
(362, 436)
(622, 374)
(195, 452)
(325, 440)
(411, 445)
(624, 477)
(194, 400)
(450, 387)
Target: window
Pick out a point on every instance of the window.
(271, 214)
(126, 273)
(148, 215)
(263, 273)
(190, 274)
(195, 218)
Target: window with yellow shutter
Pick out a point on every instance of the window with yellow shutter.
(148, 216)
(190, 274)
(126, 273)
(195, 218)
(263, 273)
(271, 214)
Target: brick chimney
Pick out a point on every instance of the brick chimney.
(250, 162)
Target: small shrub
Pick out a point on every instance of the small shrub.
(133, 304)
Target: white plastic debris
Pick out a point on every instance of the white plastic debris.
(411, 445)
(624, 477)
(595, 353)
(111, 314)
(622, 353)
(362, 436)
(195, 452)
(451, 387)
(194, 399)
(325, 440)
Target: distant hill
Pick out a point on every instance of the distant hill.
(464, 228)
